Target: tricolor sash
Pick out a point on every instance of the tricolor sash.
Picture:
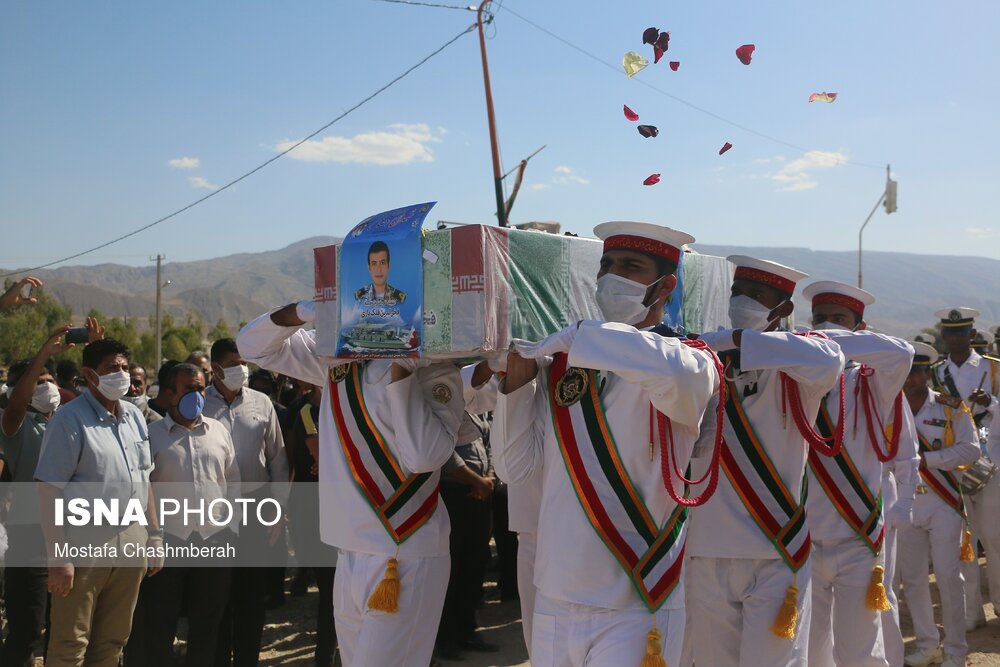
(403, 503)
(942, 482)
(758, 484)
(846, 489)
(651, 556)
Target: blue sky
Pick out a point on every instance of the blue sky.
(115, 114)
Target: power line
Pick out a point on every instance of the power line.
(469, 8)
(618, 70)
(258, 167)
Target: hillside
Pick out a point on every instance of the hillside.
(909, 287)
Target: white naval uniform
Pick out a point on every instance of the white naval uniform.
(982, 507)
(420, 432)
(899, 480)
(843, 631)
(736, 580)
(937, 528)
(587, 611)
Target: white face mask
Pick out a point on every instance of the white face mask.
(826, 326)
(621, 299)
(45, 399)
(746, 313)
(113, 386)
(235, 377)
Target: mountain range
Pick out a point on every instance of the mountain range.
(237, 288)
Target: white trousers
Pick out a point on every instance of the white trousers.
(377, 639)
(574, 635)
(732, 604)
(526, 544)
(936, 529)
(892, 636)
(983, 509)
(843, 631)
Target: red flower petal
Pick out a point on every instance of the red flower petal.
(649, 35)
(657, 54)
(725, 147)
(631, 115)
(648, 130)
(663, 41)
(745, 53)
(675, 65)
(653, 179)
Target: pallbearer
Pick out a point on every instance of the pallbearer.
(947, 441)
(385, 430)
(603, 410)
(846, 517)
(748, 575)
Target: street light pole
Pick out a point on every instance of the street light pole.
(889, 197)
(494, 146)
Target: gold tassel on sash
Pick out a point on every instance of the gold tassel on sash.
(386, 595)
(788, 615)
(877, 598)
(968, 555)
(654, 648)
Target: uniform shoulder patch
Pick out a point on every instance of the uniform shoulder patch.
(953, 402)
(441, 393)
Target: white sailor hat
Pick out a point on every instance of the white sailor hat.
(644, 237)
(839, 294)
(924, 354)
(955, 318)
(778, 276)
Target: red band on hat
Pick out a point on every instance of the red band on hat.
(766, 278)
(642, 244)
(833, 299)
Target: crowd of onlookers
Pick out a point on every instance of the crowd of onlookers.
(114, 423)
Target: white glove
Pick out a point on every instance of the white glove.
(719, 341)
(306, 311)
(497, 361)
(411, 364)
(901, 512)
(558, 342)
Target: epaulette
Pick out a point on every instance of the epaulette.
(991, 358)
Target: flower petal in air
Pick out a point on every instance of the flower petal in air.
(663, 41)
(823, 97)
(633, 63)
(675, 65)
(631, 115)
(657, 54)
(652, 179)
(649, 35)
(745, 53)
(725, 147)
(648, 130)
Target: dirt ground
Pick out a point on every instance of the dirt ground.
(288, 636)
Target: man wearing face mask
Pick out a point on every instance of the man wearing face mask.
(384, 425)
(96, 447)
(748, 572)
(32, 399)
(137, 393)
(260, 453)
(194, 462)
(615, 403)
(846, 519)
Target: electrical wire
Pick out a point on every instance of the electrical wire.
(468, 8)
(255, 169)
(618, 70)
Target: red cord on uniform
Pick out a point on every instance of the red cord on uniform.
(666, 433)
(867, 398)
(814, 439)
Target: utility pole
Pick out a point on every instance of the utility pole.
(889, 197)
(494, 147)
(159, 327)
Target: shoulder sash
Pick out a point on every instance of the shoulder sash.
(403, 503)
